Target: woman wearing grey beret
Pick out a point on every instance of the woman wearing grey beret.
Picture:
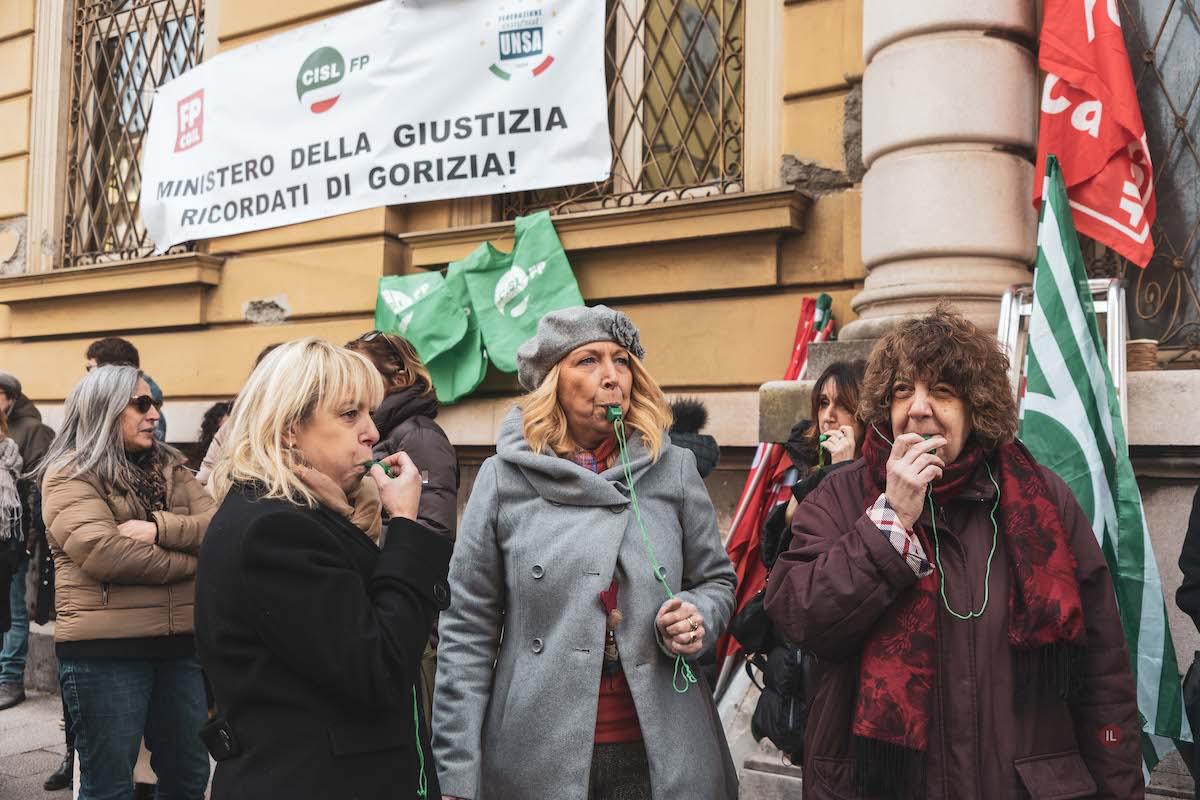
(563, 661)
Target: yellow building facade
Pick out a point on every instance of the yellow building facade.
(711, 262)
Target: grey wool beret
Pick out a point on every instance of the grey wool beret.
(560, 332)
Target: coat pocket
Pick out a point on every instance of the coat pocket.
(834, 779)
(1057, 776)
(354, 738)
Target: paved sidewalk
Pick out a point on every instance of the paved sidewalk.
(31, 747)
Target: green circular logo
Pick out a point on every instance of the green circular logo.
(320, 73)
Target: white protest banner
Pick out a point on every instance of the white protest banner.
(395, 102)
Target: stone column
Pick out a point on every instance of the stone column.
(949, 127)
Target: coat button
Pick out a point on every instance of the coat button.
(617, 509)
(537, 571)
(536, 646)
(441, 595)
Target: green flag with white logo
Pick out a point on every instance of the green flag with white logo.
(1071, 422)
(425, 310)
(510, 292)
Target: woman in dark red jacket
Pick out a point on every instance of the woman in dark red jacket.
(961, 613)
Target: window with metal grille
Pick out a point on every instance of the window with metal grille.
(1163, 39)
(676, 106)
(122, 50)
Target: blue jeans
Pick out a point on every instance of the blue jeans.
(114, 703)
(16, 641)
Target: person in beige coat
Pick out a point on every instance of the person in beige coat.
(124, 520)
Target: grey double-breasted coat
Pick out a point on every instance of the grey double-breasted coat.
(540, 539)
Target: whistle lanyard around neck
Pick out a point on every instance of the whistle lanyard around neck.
(683, 677)
(937, 553)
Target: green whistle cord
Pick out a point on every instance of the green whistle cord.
(683, 677)
(422, 784)
(937, 554)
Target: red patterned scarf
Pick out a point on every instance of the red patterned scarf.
(1045, 628)
(596, 460)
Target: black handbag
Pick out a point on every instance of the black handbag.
(782, 711)
(752, 627)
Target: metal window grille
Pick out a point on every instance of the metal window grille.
(1163, 38)
(122, 50)
(676, 106)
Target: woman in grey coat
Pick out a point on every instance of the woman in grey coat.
(563, 664)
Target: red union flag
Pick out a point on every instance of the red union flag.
(1090, 119)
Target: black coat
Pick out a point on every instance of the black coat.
(312, 638)
(1188, 595)
(405, 420)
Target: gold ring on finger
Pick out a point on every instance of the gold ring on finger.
(692, 622)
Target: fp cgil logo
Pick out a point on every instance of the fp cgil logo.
(189, 114)
(319, 81)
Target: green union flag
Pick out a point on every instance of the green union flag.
(1071, 422)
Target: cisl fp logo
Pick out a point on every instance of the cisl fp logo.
(511, 295)
(189, 114)
(321, 75)
(522, 45)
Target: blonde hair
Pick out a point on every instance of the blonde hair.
(545, 422)
(292, 384)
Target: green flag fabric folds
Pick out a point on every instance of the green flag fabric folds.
(1071, 422)
(425, 310)
(487, 305)
(510, 292)
(459, 371)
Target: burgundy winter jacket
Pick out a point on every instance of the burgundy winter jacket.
(829, 590)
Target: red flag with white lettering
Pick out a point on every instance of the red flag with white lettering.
(1090, 119)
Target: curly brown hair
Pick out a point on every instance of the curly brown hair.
(944, 347)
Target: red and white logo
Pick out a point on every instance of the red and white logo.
(190, 116)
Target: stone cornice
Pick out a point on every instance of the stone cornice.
(184, 269)
(773, 211)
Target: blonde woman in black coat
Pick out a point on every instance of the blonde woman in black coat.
(310, 631)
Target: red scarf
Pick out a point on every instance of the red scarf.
(1045, 627)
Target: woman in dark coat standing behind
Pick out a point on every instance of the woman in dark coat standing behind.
(310, 632)
(405, 420)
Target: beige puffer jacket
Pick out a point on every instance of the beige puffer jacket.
(109, 586)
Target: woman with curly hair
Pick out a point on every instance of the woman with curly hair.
(960, 610)
(561, 669)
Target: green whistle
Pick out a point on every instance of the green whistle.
(823, 437)
(386, 469)
(612, 413)
(927, 437)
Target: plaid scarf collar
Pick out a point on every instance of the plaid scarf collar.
(596, 459)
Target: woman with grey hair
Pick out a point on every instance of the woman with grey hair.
(588, 572)
(124, 520)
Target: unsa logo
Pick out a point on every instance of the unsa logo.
(319, 77)
(521, 43)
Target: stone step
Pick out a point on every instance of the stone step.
(768, 775)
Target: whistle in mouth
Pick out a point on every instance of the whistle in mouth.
(386, 469)
(612, 413)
